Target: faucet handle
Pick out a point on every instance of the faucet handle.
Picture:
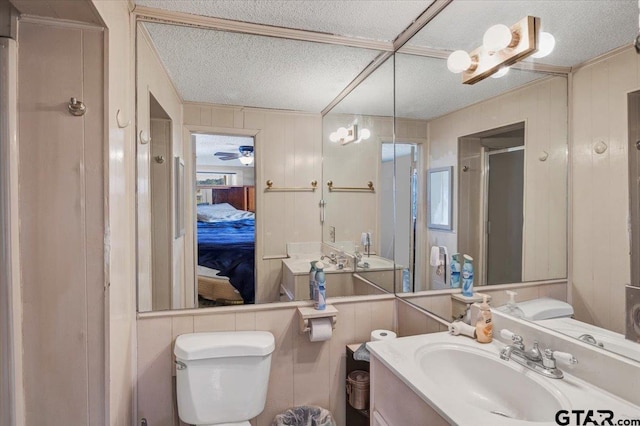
(515, 338)
(565, 357)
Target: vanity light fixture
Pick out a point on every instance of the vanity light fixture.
(346, 135)
(502, 47)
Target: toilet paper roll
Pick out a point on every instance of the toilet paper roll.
(382, 335)
(320, 329)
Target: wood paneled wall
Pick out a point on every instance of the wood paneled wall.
(288, 152)
(62, 230)
(543, 106)
(600, 188)
(302, 372)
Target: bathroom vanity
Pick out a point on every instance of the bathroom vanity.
(377, 278)
(443, 379)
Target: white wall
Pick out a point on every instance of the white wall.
(120, 294)
(600, 188)
(543, 106)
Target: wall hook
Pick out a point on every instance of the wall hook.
(600, 147)
(543, 156)
(144, 137)
(119, 120)
(465, 168)
(159, 159)
(76, 107)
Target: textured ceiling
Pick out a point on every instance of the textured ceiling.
(425, 89)
(208, 145)
(370, 19)
(241, 69)
(583, 29)
(248, 70)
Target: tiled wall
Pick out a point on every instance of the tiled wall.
(302, 372)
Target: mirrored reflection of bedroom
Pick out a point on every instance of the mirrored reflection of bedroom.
(225, 219)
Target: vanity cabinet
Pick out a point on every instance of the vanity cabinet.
(392, 402)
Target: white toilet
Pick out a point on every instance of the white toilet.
(222, 377)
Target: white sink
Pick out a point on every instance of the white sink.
(374, 263)
(468, 384)
(481, 379)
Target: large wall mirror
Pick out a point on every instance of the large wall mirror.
(229, 214)
(506, 141)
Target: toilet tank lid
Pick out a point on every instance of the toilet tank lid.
(545, 308)
(223, 344)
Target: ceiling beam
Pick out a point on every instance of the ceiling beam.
(149, 14)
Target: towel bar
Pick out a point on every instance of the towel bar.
(270, 187)
(369, 187)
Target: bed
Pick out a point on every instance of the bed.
(226, 242)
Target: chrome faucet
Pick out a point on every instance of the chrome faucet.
(332, 258)
(542, 362)
(587, 338)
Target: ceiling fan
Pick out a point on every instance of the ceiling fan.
(244, 154)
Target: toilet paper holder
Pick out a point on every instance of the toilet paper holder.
(307, 313)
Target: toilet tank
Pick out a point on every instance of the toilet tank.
(222, 376)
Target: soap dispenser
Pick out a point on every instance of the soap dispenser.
(484, 324)
(512, 307)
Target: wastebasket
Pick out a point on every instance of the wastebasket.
(305, 415)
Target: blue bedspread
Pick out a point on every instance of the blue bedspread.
(230, 248)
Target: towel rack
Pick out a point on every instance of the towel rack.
(270, 187)
(369, 187)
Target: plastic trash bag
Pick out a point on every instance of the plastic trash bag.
(306, 415)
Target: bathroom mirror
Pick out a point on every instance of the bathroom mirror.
(358, 201)
(249, 171)
(523, 118)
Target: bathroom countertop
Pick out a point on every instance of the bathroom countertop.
(401, 356)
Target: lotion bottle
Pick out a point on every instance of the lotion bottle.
(484, 324)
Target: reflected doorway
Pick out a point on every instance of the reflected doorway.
(225, 205)
(398, 241)
(491, 202)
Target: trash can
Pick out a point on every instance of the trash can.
(305, 415)
(358, 389)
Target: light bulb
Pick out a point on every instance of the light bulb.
(501, 72)
(546, 43)
(365, 134)
(458, 61)
(342, 132)
(497, 37)
(246, 160)
(333, 137)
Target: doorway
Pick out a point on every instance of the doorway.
(225, 205)
(491, 202)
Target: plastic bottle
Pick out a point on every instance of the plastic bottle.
(312, 280)
(455, 270)
(484, 324)
(320, 302)
(467, 276)
(512, 307)
(341, 259)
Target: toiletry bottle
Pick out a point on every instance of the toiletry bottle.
(512, 307)
(467, 276)
(484, 324)
(341, 259)
(312, 280)
(320, 293)
(455, 270)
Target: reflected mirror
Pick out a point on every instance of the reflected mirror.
(358, 174)
(507, 141)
